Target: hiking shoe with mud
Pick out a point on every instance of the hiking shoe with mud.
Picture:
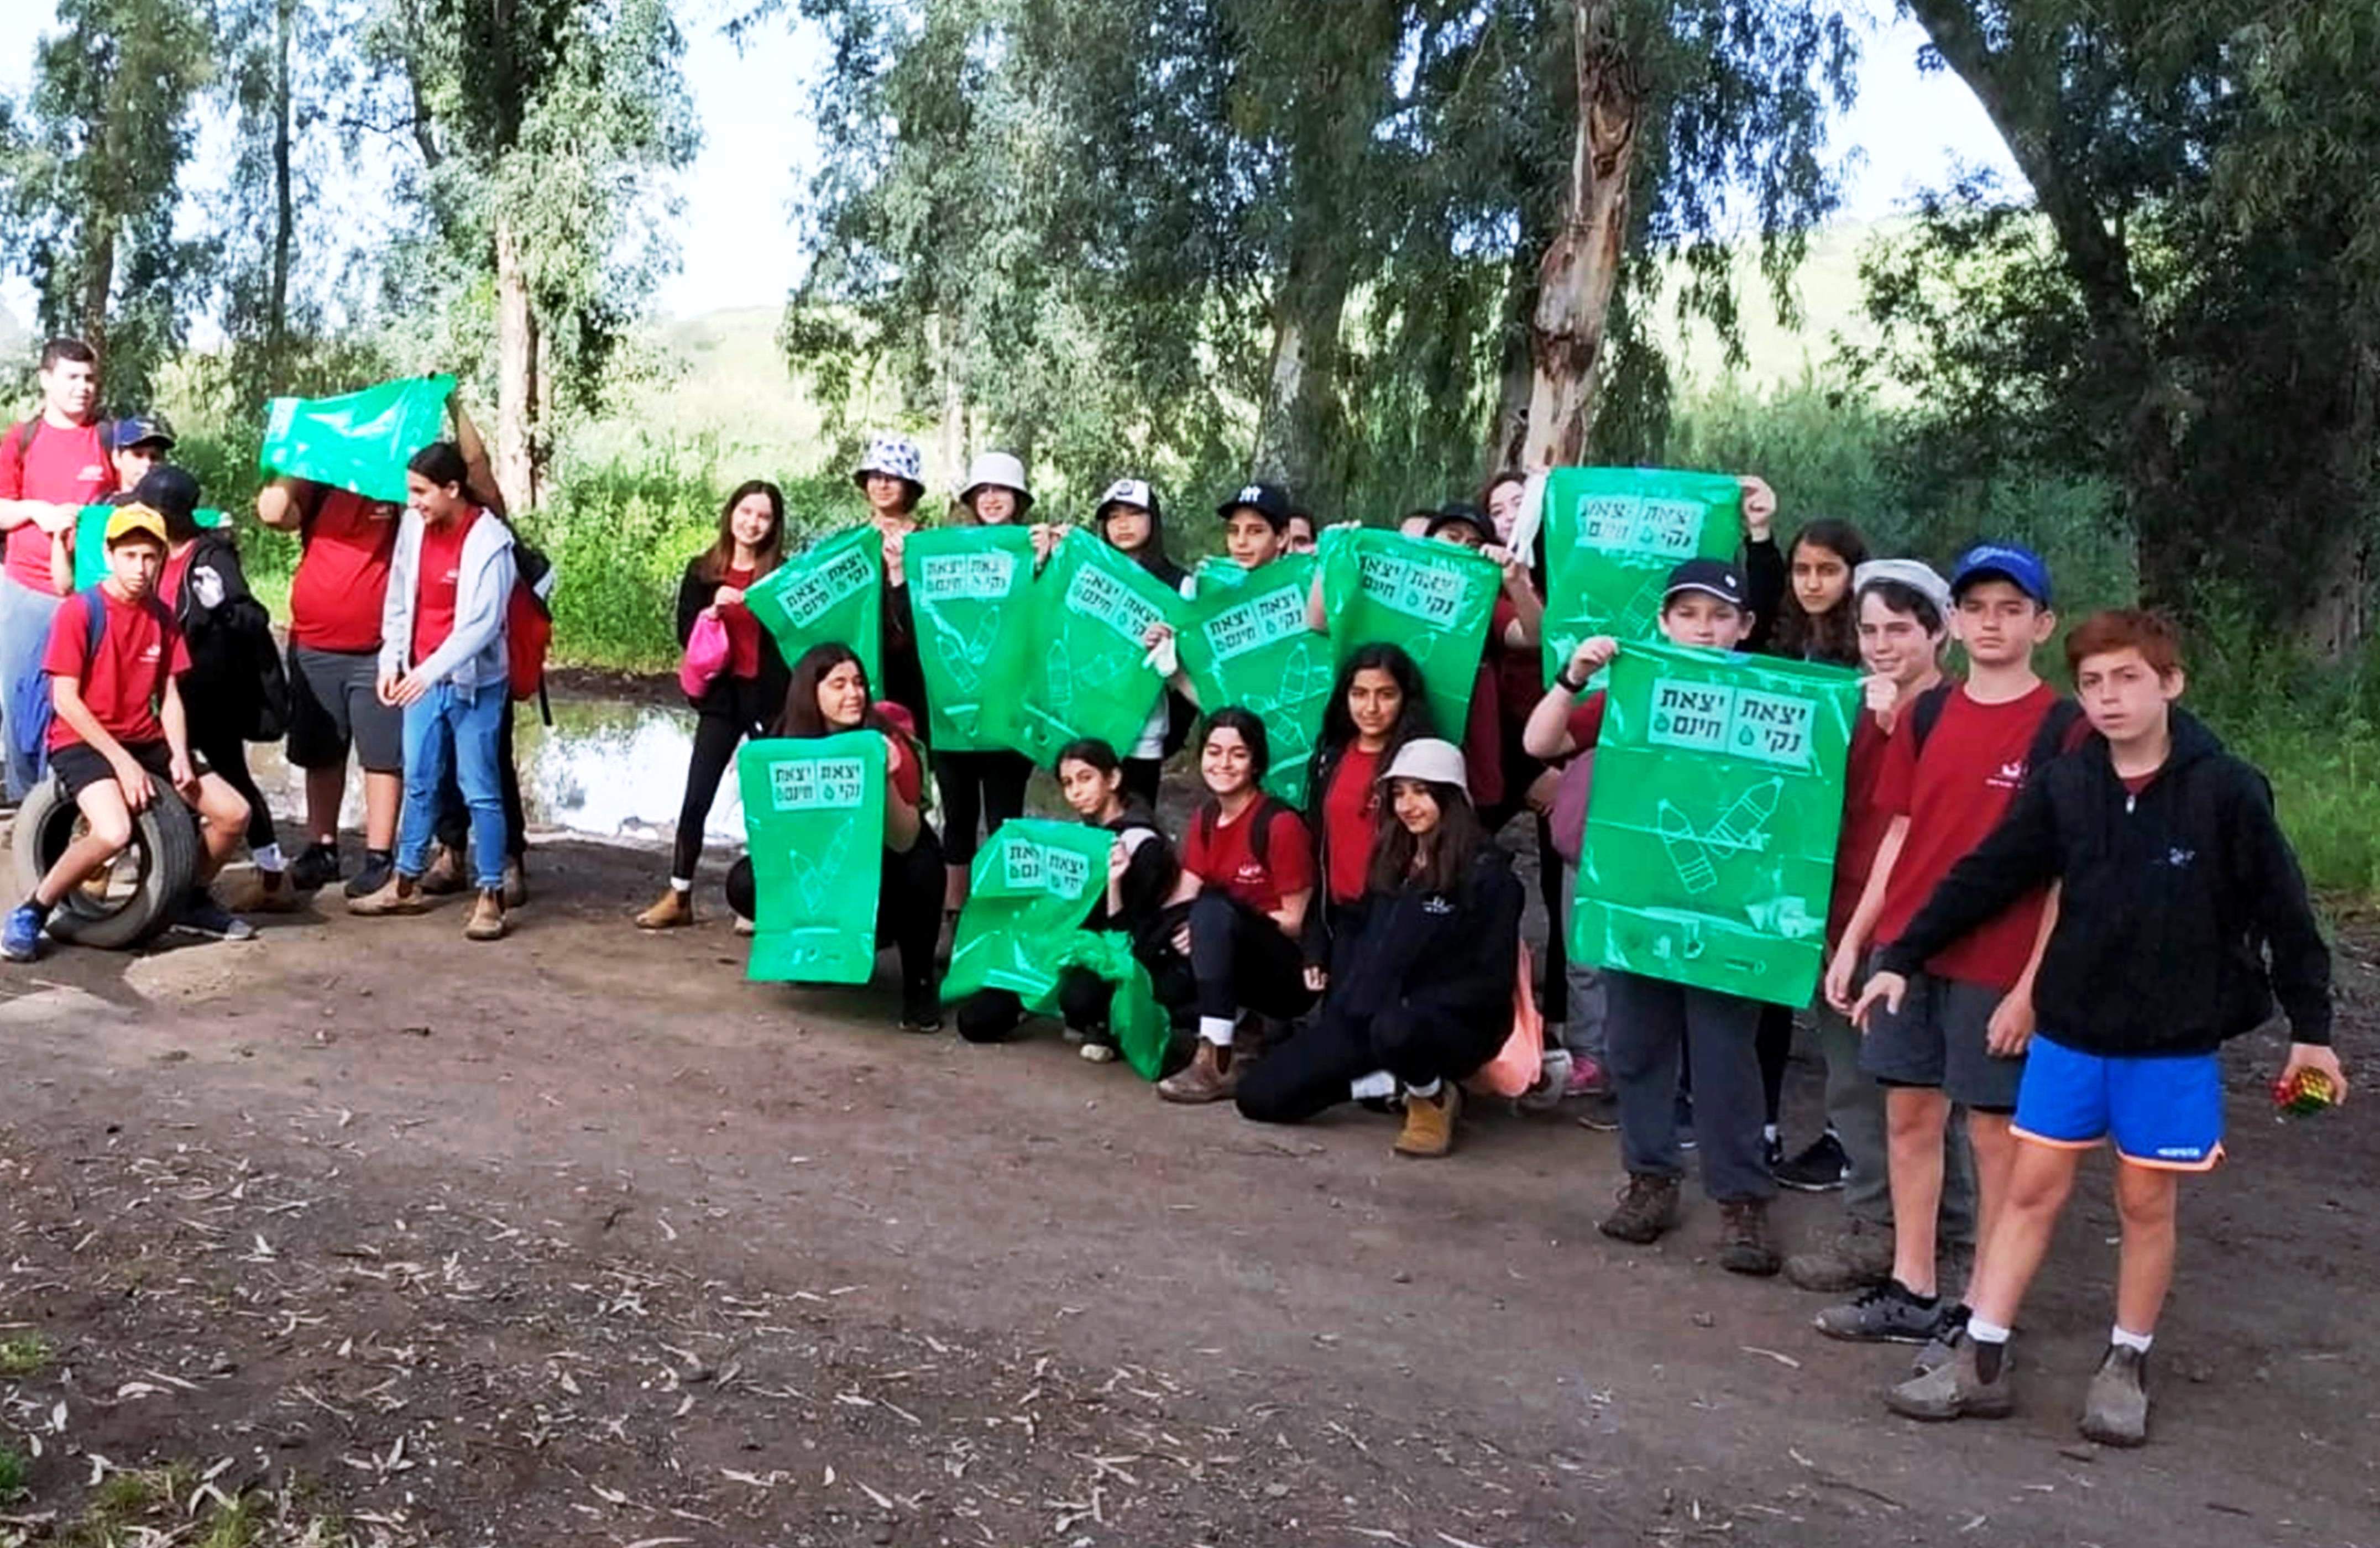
(675, 908)
(2115, 1411)
(1886, 1313)
(515, 879)
(1212, 1075)
(1858, 1256)
(1955, 1390)
(399, 894)
(1430, 1122)
(486, 920)
(1743, 1244)
(1945, 1342)
(444, 874)
(1648, 1207)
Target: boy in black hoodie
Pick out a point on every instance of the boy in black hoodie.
(2176, 878)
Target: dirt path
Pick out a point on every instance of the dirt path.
(581, 1239)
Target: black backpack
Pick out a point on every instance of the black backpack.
(2062, 730)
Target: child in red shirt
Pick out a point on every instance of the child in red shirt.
(118, 731)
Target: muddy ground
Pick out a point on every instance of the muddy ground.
(362, 1231)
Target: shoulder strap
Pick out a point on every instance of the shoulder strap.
(2062, 729)
(1926, 712)
(94, 624)
(24, 435)
(1262, 814)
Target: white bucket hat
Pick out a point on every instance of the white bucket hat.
(896, 455)
(1916, 573)
(997, 470)
(1428, 758)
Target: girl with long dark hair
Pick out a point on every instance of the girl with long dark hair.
(1247, 877)
(747, 691)
(1425, 996)
(1376, 706)
(827, 695)
(1819, 618)
(1130, 520)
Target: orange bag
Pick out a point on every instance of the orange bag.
(1514, 1068)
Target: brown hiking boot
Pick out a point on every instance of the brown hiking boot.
(2115, 1411)
(675, 908)
(1857, 1259)
(1212, 1075)
(1743, 1245)
(445, 873)
(269, 892)
(399, 894)
(1648, 1206)
(1430, 1122)
(486, 920)
(515, 883)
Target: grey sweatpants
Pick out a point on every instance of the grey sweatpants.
(1649, 1018)
(1855, 1112)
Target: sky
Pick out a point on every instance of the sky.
(1910, 130)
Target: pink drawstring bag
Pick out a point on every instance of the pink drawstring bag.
(1514, 1068)
(706, 654)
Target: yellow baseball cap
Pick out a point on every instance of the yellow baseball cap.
(131, 519)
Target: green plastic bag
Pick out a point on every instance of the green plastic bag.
(814, 826)
(831, 591)
(1142, 1029)
(1032, 883)
(1432, 599)
(90, 541)
(357, 441)
(1244, 640)
(1709, 850)
(1075, 666)
(965, 583)
(1612, 537)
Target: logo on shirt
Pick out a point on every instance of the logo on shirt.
(1433, 904)
(151, 653)
(2010, 776)
(1249, 872)
(94, 474)
(2180, 858)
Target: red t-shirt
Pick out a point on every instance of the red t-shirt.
(910, 779)
(65, 467)
(1224, 861)
(441, 578)
(170, 579)
(743, 629)
(341, 580)
(1520, 675)
(1953, 795)
(1585, 722)
(1482, 742)
(123, 681)
(1351, 820)
(1865, 822)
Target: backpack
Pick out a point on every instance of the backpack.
(2062, 730)
(1261, 813)
(21, 438)
(528, 625)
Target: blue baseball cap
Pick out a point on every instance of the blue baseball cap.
(2020, 568)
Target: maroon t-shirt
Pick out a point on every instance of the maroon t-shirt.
(1224, 860)
(124, 680)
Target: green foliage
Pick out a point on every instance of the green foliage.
(14, 1470)
(21, 1355)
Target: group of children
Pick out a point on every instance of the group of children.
(148, 680)
(2048, 914)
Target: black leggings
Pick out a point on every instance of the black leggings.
(728, 715)
(908, 905)
(987, 785)
(1315, 1069)
(1773, 1040)
(1240, 959)
(1083, 997)
(454, 825)
(216, 741)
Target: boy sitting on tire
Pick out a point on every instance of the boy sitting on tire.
(113, 653)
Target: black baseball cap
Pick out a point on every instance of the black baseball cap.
(135, 429)
(169, 491)
(1461, 513)
(1267, 500)
(1714, 577)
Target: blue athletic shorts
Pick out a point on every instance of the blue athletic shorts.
(2164, 1112)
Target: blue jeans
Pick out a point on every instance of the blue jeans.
(444, 727)
(25, 619)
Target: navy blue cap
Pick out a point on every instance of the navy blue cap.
(1712, 576)
(169, 491)
(1267, 500)
(133, 429)
(2019, 567)
(1461, 514)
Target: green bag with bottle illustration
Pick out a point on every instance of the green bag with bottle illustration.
(964, 584)
(831, 591)
(814, 826)
(1076, 664)
(1709, 848)
(357, 441)
(1612, 537)
(90, 541)
(1032, 884)
(1434, 599)
(1246, 641)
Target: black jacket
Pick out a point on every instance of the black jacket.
(1149, 880)
(2170, 900)
(1454, 954)
(766, 692)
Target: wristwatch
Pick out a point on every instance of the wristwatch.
(1562, 680)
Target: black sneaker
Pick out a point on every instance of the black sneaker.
(202, 915)
(921, 1010)
(316, 868)
(1819, 1167)
(1887, 1314)
(378, 869)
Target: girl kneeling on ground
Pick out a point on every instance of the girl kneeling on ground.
(829, 696)
(1142, 872)
(1424, 996)
(1247, 875)
(748, 693)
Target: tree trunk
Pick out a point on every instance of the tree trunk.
(2336, 611)
(1516, 377)
(517, 375)
(1581, 263)
(98, 280)
(277, 315)
(1297, 430)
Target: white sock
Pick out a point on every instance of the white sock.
(1427, 1092)
(2123, 1338)
(1985, 1333)
(1378, 1085)
(1216, 1029)
(268, 857)
(681, 883)
(1769, 1132)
